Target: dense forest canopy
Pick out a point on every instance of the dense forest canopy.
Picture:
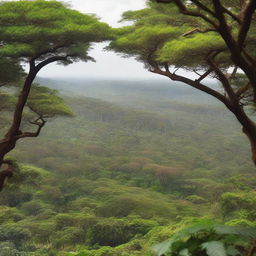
(213, 39)
(126, 173)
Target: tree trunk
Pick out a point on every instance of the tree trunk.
(8, 143)
(5, 148)
(252, 139)
(248, 127)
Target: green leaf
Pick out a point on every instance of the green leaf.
(214, 248)
(249, 233)
(232, 251)
(202, 225)
(184, 252)
(163, 248)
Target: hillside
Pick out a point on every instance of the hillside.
(123, 174)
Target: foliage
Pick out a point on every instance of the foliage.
(156, 36)
(10, 71)
(94, 187)
(206, 38)
(47, 103)
(208, 238)
(114, 232)
(40, 29)
(239, 206)
(117, 180)
(39, 33)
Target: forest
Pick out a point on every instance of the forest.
(129, 167)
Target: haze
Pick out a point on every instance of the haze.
(108, 64)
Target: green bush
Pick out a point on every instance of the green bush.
(196, 199)
(34, 207)
(68, 236)
(14, 233)
(233, 202)
(8, 249)
(10, 214)
(207, 238)
(113, 232)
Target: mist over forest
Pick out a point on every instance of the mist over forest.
(136, 157)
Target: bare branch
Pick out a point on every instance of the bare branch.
(192, 83)
(183, 9)
(40, 125)
(243, 89)
(222, 77)
(205, 8)
(39, 122)
(249, 57)
(202, 6)
(202, 77)
(232, 75)
(174, 72)
(52, 50)
(246, 22)
(196, 73)
(198, 30)
(50, 60)
(231, 14)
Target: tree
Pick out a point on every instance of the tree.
(213, 39)
(39, 33)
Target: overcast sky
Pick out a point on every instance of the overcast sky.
(108, 64)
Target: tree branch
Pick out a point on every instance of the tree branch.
(52, 50)
(202, 6)
(198, 30)
(209, 71)
(224, 80)
(249, 57)
(231, 14)
(192, 83)
(50, 60)
(21, 102)
(33, 134)
(232, 75)
(205, 8)
(183, 9)
(246, 22)
(219, 14)
(242, 90)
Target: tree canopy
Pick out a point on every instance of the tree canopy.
(39, 30)
(39, 33)
(10, 71)
(213, 39)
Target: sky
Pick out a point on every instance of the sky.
(108, 64)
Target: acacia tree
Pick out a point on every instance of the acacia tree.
(210, 38)
(39, 33)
